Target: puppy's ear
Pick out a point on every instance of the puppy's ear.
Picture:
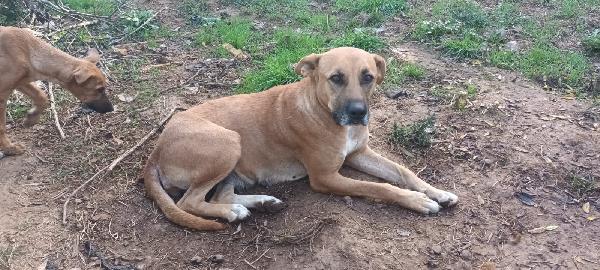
(81, 75)
(307, 65)
(92, 56)
(380, 63)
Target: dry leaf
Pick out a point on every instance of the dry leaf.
(586, 207)
(591, 218)
(480, 200)
(125, 98)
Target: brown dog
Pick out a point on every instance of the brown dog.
(25, 58)
(311, 127)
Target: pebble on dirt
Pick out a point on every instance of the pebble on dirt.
(218, 258)
(196, 260)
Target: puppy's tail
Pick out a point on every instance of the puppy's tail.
(175, 214)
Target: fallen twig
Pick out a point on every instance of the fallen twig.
(81, 24)
(53, 109)
(107, 169)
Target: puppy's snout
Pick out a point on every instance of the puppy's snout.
(356, 109)
(101, 105)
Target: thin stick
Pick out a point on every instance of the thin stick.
(81, 24)
(107, 169)
(53, 108)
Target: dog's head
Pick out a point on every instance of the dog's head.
(344, 79)
(88, 84)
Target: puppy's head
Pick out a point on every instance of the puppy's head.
(88, 84)
(344, 79)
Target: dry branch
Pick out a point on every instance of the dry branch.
(107, 169)
(53, 109)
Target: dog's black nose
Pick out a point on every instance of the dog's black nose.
(356, 109)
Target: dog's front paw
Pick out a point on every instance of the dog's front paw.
(13, 149)
(444, 198)
(421, 203)
(270, 204)
(238, 213)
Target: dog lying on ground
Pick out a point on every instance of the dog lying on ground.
(25, 58)
(308, 128)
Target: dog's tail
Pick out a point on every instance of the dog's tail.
(175, 214)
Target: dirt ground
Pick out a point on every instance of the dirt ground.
(514, 142)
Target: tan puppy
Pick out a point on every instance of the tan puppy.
(25, 58)
(308, 128)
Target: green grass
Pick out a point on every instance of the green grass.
(377, 10)
(276, 69)
(467, 12)
(17, 110)
(555, 65)
(433, 31)
(592, 42)
(504, 59)
(583, 185)
(236, 32)
(11, 12)
(569, 9)
(134, 25)
(413, 71)
(468, 46)
(96, 7)
(416, 135)
(363, 40)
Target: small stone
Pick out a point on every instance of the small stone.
(488, 161)
(1, 155)
(218, 258)
(466, 255)
(512, 45)
(403, 233)
(436, 249)
(348, 200)
(394, 94)
(196, 260)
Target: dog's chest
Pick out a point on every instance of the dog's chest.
(356, 137)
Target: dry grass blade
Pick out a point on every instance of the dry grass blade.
(306, 234)
(107, 169)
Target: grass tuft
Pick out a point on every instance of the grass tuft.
(277, 69)
(96, 7)
(467, 12)
(362, 39)
(592, 42)
(468, 46)
(554, 64)
(418, 134)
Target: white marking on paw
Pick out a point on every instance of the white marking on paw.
(255, 200)
(443, 197)
(238, 212)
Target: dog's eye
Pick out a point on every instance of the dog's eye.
(336, 78)
(367, 78)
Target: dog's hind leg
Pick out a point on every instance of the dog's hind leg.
(40, 103)
(225, 193)
(6, 146)
(194, 202)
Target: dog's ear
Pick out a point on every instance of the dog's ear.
(380, 63)
(81, 75)
(93, 56)
(307, 65)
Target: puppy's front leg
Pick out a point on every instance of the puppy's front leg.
(40, 102)
(340, 185)
(6, 146)
(367, 161)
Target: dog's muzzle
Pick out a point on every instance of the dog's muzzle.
(101, 105)
(352, 113)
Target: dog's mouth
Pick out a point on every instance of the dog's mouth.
(344, 119)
